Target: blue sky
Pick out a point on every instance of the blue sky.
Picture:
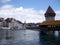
(33, 6)
(36, 4)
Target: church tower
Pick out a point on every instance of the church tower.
(50, 14)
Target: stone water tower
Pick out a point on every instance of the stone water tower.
(50, 14)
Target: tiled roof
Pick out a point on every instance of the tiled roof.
(8, 20)
(19, 21)
(49, 10)
(1, 19)
(57, 22)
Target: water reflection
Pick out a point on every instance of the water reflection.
(27, 37)
(49, 39)
(6, 36)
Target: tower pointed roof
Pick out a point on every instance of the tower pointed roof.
(49, 10)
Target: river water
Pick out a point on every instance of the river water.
(28, 37)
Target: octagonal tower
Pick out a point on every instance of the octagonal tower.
(50, 14)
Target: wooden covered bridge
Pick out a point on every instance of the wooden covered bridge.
(50, 24)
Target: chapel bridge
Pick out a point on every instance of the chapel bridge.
(50, 24)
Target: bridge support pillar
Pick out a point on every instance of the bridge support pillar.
(43, 32)
(59, 33)
(51, 32)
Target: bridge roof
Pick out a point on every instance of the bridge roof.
(57, 22)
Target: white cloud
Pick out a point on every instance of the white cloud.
(23, 14)
(57, 12)
(3, 1)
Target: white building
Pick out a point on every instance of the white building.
(15, 24)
